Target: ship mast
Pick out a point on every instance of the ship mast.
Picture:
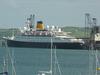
(51, 54)
(32, 19)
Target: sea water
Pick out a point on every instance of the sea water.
(29, 61)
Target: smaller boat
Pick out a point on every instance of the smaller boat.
(4, 73)
(54, 66)
(8, 69)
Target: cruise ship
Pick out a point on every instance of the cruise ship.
(41, 36)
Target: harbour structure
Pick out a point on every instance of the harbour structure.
(92, 33)
(39, 36)
(95, 35)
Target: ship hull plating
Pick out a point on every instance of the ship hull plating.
(58, 45)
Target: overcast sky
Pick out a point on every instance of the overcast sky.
(13, 13)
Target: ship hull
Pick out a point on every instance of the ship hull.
(58, 45)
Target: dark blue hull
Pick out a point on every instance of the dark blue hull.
(58, 45)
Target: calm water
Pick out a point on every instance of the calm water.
(28, 61)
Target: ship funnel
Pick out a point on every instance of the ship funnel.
(40, 25)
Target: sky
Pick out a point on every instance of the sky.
(13, 13)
